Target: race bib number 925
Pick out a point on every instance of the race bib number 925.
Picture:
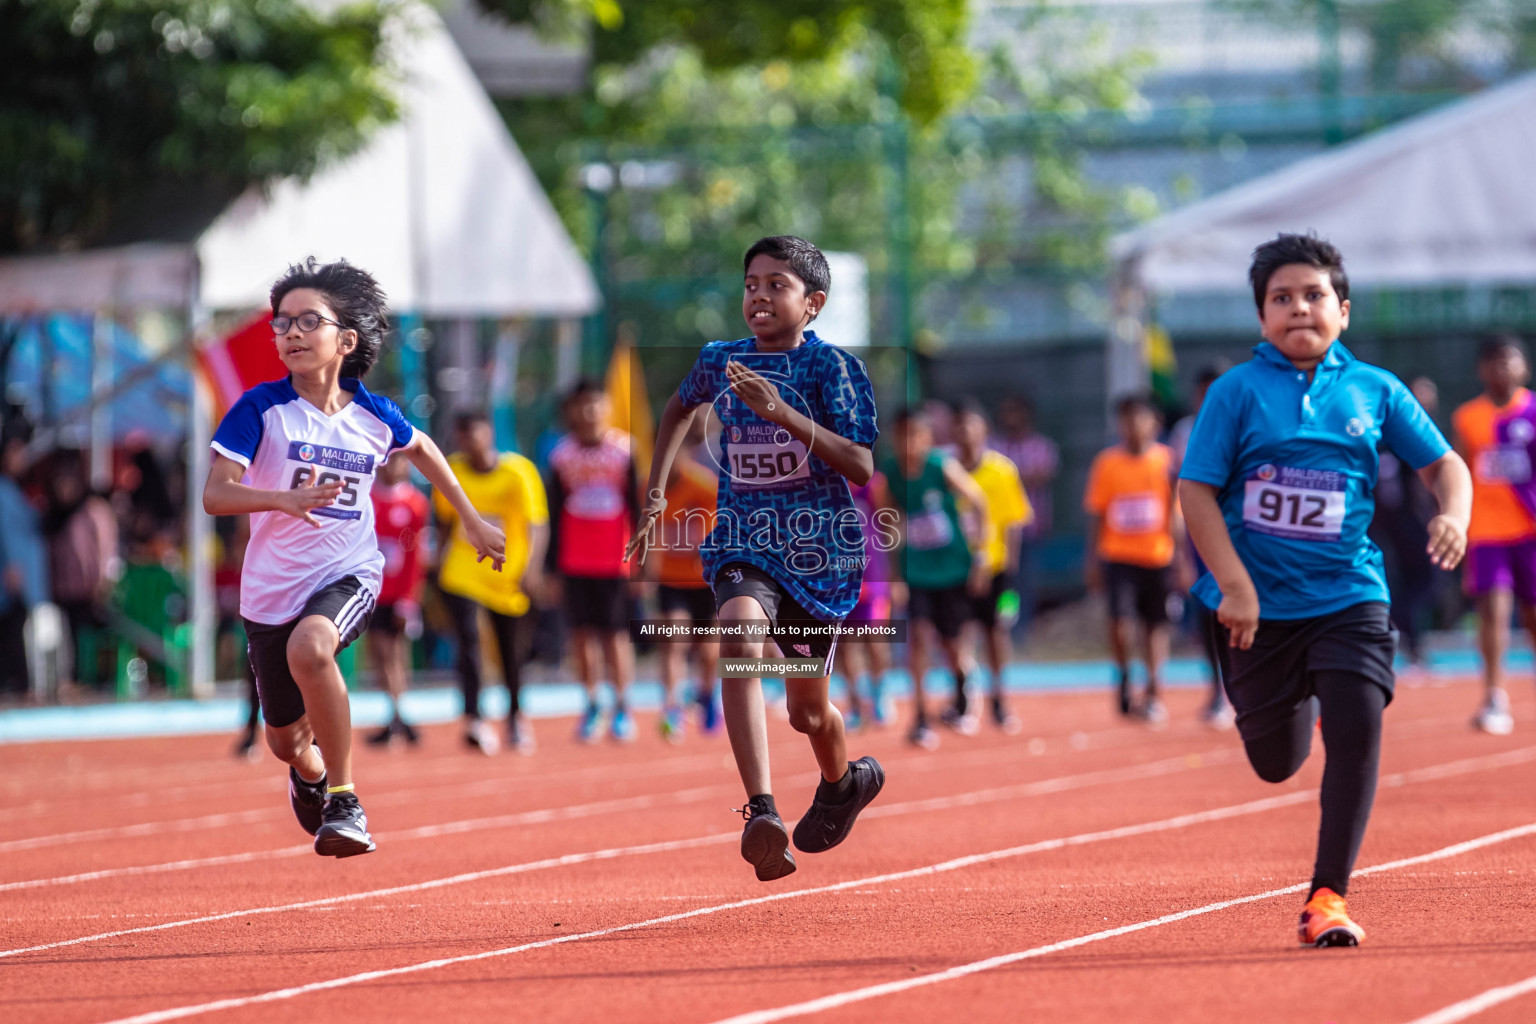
(1302, 504)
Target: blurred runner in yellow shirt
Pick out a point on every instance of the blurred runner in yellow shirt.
(506, 490)
(999, 528)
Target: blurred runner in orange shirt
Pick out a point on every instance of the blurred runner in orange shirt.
(682, 594)
(1494, 433)
(1130, 546)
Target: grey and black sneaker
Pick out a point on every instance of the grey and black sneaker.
(826, 824)
(345, 831)
(765, 840)
(308, 800)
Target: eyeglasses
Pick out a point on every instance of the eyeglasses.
(307, 322)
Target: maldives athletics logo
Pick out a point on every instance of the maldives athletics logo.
(1266, 472)
(307, 452)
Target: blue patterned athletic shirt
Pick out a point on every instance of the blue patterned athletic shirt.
(781, 508)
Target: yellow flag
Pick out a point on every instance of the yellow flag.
(631, 406)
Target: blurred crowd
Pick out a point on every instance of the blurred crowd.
(92, 588)
(89, 570)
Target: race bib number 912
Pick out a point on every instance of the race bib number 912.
(1302, 504)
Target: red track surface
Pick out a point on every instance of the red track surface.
(176, 831)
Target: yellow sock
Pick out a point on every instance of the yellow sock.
(348, 788)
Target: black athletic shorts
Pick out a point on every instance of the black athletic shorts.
(698, 602)
(984, 608)
(1137, 592)
(346, 602)
(398, 618)
(597, 602)
(948, 608)
(738, 579)
(1270, 680)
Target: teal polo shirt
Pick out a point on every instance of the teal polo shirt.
(1294, 464)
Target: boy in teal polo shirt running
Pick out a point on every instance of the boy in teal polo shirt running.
(1277, 491)
(942, 572)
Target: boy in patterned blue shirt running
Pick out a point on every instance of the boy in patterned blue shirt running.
(787, 547)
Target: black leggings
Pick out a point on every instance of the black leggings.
(511, 642)
(1351, 707)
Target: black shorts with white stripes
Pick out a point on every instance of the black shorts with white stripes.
(348, 603)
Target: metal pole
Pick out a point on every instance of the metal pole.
(504, 385)
(101, 410)
(202, 614)
(567, 353)
(1330, 71)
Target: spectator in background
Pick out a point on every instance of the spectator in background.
(400, 521)
(1404, 507)
(593, 507)
(998, 528)
(505, 488)
(23, 564)
(692, 492)
(1218, 713)
(83, 558)
(1132, 524)
(1038, 461)
(234, 533)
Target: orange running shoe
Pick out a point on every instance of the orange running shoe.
(1326, 922)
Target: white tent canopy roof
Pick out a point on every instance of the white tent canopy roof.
(150, 275)
(1443, 198)
(440, 206)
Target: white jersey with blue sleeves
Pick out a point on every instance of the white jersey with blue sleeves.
(279, 437)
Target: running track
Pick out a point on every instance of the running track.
(1087, 870)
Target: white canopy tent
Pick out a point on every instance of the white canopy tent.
(1441, 199)
(441, 207)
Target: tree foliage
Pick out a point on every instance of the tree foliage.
(934, 70)
(129, 119)
(824, 142)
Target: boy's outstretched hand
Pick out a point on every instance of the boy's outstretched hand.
(487, 540)
(640, 543)
(298, 501)
(1239, 612)
(1447, 541)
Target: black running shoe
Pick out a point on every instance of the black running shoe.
(825, 824)
(345, 832)
(407, 730)
(382, 737)
(308, 800)
(765, 842)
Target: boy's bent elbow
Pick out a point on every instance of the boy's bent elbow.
(863, 468)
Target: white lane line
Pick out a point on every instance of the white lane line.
(437, 883)
(829, 1002)
(620, 804)
(148, 828)
(836, 1000)
(917, 763)
(1021, 790)
(910, 807)
(1477, 1004)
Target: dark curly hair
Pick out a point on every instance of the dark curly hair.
(353, 295)
(1285, 249)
